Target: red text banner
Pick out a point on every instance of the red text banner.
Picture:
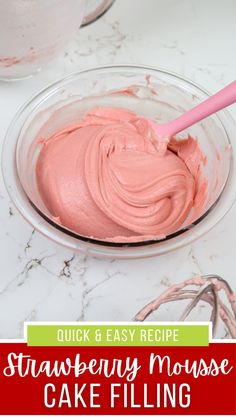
(118, 380)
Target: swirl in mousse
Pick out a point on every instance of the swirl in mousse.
(104, 178)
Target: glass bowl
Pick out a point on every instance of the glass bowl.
(159, 95)
(95, 9)
(33, 32)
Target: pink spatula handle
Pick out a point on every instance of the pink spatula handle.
(220, 100)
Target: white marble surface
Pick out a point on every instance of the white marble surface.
(40, 281)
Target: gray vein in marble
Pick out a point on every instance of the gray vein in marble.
(66, 269)
(194, 259)
(84, 286)
(21, 277)
(166, 281)
(29, 242)
(11, 212)
(174, 46)
(107, 278)
(86, 45)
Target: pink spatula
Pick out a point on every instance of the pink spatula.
(222, 99)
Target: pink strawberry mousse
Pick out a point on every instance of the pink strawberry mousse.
(104, 178)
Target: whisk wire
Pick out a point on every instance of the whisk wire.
(209, 288)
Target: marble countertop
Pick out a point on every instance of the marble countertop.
(40, 281)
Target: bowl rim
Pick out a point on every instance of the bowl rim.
(98, 248)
